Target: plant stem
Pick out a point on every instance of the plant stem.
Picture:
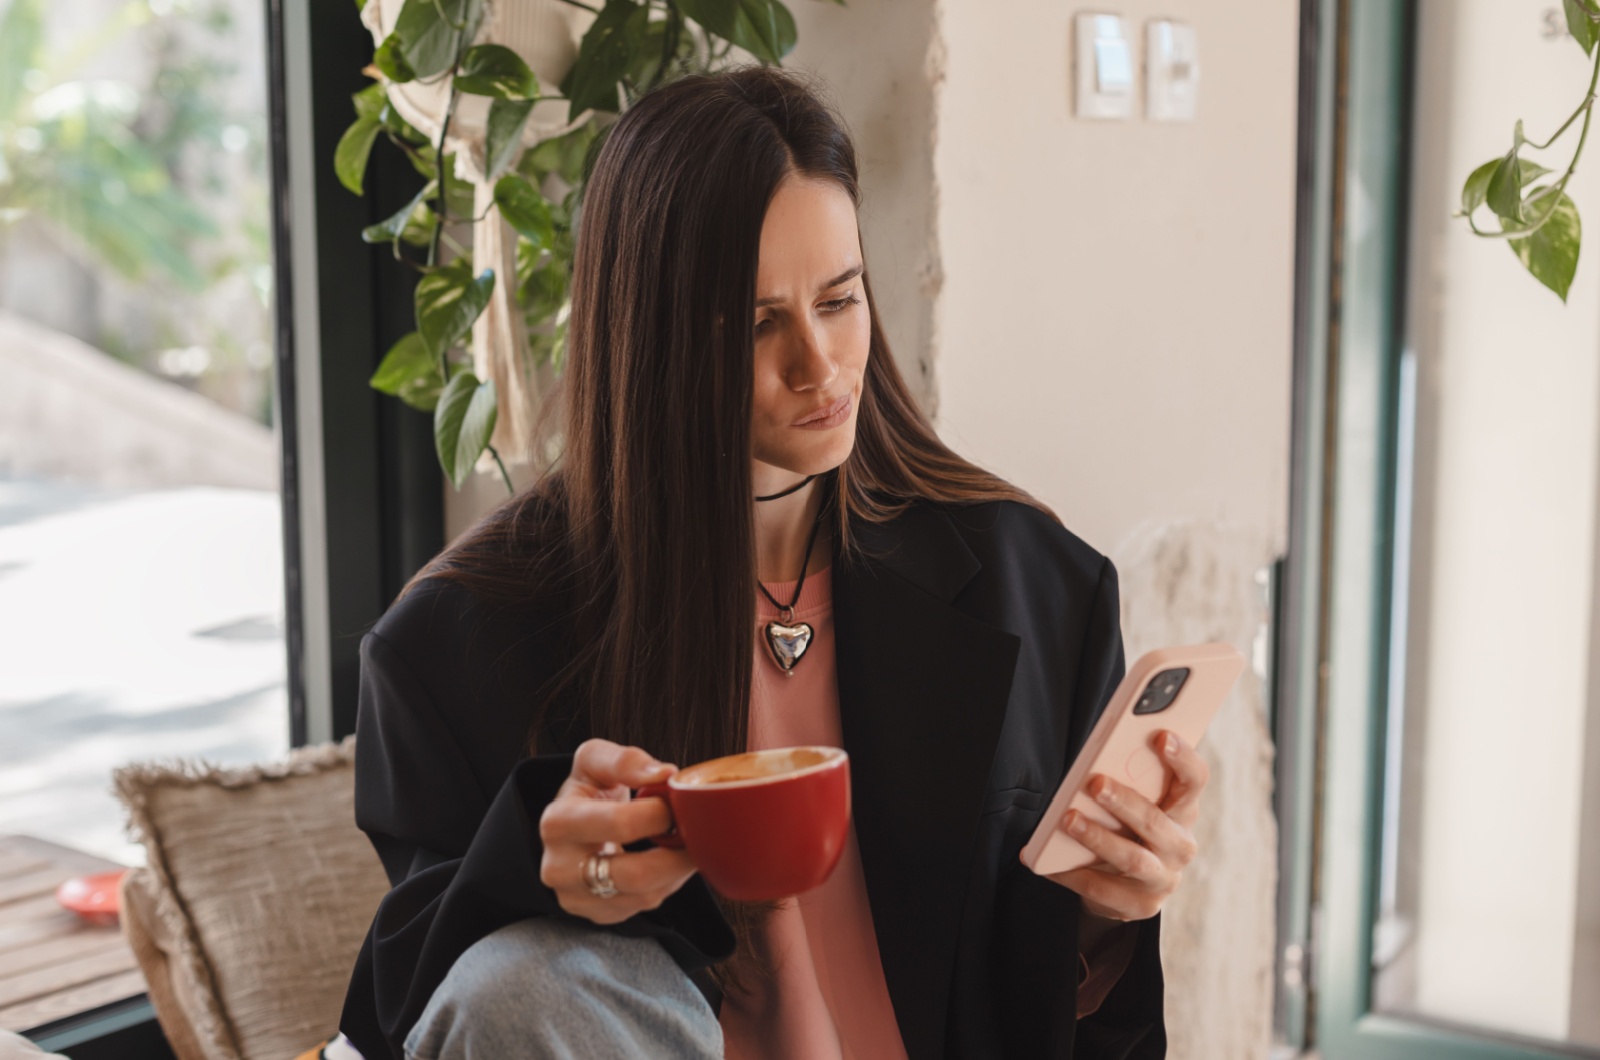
(1554, 191)
(503, 473)
(1582, 108)
(442, 201)
(669, 45)
(442, 161)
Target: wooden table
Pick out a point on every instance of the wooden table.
(52, 962)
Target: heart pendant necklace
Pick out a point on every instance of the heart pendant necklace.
(787, 640)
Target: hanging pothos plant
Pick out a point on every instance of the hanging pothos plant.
(632, 46)
(1537, 219)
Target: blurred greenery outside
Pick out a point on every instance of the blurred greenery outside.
(133, 149)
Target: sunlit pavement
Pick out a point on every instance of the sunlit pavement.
(133, 626)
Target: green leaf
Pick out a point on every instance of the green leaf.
(502, 142)
(406, 362)
(562, 155)
(1476, 188)
(422, 393)
(389, 229)
(495, 70)
(448, 300)
(764, 28)
(350, 157)
(1504, 194)
(430, 31)
(388, 59)
(544, 293)
(525, 210)
(370, 102)
(604, 56)
(1551, 253)
(1580, 25)
(391, 120)
(419, 227)
(463, 423)
(717, 16)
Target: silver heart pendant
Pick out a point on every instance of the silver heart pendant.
(788, 643)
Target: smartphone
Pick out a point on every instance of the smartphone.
(1177, 689)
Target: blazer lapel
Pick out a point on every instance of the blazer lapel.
(922, 693)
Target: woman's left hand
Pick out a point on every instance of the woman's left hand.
(1134, 878)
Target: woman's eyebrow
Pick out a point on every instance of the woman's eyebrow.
(845, 276)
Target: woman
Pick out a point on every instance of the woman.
(741, 452)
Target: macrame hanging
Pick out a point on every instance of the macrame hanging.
(545, 33)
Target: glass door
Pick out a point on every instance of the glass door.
(141, 560)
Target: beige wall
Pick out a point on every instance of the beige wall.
(1115, 336)
(1116, 313)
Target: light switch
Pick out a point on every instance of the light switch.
(1104, 68)
(1172, 70)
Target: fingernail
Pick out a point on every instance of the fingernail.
(1076, 825)
(1172, 743)
(1105, 794)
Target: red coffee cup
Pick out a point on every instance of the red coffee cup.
(762, 825)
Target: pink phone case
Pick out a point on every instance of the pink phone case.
(1122, 745)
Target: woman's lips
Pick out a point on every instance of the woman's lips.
(829, 416)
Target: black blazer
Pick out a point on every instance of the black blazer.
(975, 647)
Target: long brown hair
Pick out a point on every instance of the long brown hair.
(645, 526)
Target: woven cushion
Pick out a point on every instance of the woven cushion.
(258, 891)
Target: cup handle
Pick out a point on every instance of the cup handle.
(669, 839)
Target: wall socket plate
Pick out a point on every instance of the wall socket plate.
(1171, 70)
(1103, 67)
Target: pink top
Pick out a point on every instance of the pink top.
(827, 998)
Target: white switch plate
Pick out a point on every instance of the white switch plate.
(1104, 67)
(1171, 70)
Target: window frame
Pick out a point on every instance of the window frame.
(1351, 415)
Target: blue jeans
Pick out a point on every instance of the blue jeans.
(553, 989)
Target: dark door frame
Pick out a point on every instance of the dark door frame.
(363, 499)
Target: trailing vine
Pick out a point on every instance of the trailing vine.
(1538, 220)
(631, 47)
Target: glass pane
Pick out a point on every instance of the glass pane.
(141, 571)
(1490, 889)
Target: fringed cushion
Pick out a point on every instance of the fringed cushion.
(258, 891)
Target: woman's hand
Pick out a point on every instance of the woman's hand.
(593, 809)
(1134, 878)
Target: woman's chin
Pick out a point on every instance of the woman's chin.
(817, 458)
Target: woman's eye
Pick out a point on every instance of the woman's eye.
(761, 325)
(841, 303)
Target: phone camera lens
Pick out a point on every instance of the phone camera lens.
(1162, 690)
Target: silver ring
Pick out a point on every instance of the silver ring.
(597, 873)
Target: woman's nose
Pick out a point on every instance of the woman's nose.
(810, 366)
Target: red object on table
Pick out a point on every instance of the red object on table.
(94, 897)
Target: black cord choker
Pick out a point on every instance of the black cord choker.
(787, 640)
(785, 493)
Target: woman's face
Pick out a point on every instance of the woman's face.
(812, 332)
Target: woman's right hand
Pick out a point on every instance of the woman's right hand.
(593, 808)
